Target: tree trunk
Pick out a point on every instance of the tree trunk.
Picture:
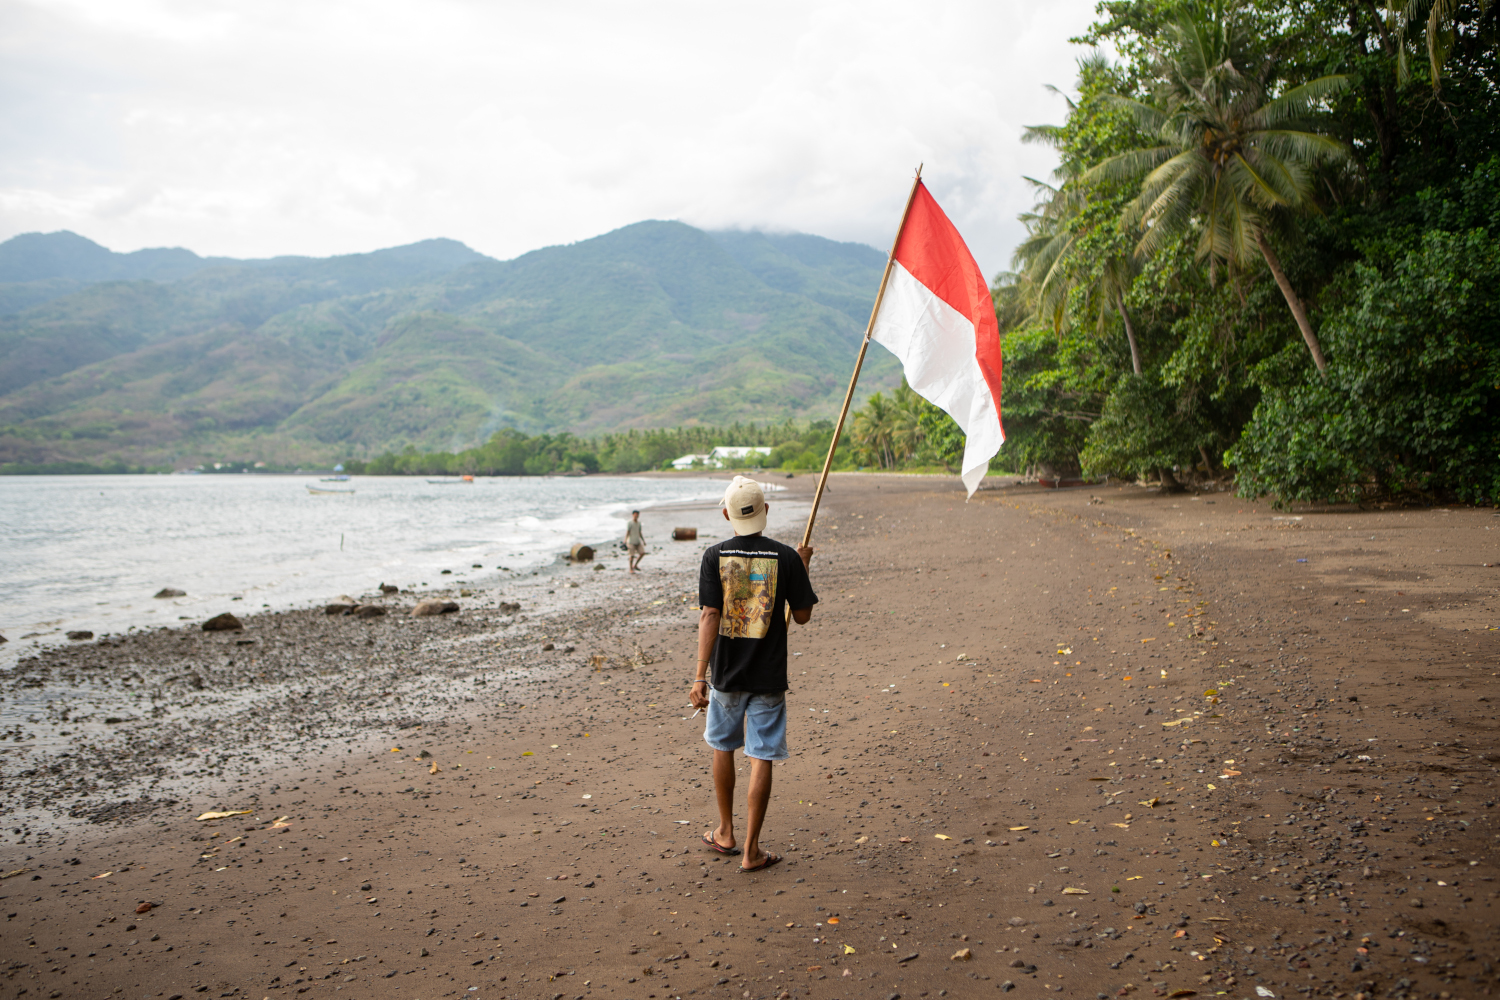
(1295, 303)
(1169, 483)
(1135, 350)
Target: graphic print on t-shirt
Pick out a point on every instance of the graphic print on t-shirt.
(749, 584)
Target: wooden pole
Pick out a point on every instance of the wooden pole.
(859, 362)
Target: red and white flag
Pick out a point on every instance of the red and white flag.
(938, 318)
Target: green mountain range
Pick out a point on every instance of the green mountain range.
(162, 357)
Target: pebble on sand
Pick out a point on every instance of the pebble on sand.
(223, 623)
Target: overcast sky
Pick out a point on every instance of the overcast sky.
(320, 126)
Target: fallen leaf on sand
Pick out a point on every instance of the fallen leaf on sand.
(102, 875)
(526, 753)
(145, 908)
(941, 836)
(1074, 822)
(1178, 722)
(901, 840)
(1075, 892)
(1151, 802)
(397, 750)
(962, 955)
(1230, 774)
(814, 968)
(13, 874)
(224, 814)
(1122, 826)
(434, 769)
(1134, 877)
(848, 949)
(1018, 829)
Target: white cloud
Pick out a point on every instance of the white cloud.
(252, 129)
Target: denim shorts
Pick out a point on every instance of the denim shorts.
(756, 722)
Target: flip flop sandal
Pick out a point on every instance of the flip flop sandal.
(717, 848)
(771, 859)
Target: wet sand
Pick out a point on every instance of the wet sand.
(1081, 743)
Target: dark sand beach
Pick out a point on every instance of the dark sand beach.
(1090, 742)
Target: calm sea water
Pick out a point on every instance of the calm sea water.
(88, 552)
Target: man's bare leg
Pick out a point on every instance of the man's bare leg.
(756, 800)
(724, 792)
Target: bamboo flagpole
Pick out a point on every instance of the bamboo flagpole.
(864, 346)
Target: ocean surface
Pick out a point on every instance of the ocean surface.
(88, 552)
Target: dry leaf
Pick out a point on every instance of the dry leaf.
(1122, 826)
(434, 769)
(224, 814)
(962, 955)
(1151, 802)
(1075, 892)
(1018, 829)
(1178, 722)
(848, 949)
(942, 836)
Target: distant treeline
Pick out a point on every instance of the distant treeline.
(512, 453)
(75, 469)
(899, 430)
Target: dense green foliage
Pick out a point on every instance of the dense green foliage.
(794, 446)
(1230, 141)
(165, 358)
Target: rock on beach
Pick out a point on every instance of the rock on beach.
(223, 623)
(428, 608)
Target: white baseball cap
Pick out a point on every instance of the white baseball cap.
(746, 504)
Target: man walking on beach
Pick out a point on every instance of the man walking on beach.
(745, 585)
(635, 539)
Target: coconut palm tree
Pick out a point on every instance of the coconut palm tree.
(1230, 152)
(1052, 268)
(1048, 259)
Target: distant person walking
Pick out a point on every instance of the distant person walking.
(745, 585)
(635, 540)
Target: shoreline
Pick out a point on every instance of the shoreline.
(970, 743)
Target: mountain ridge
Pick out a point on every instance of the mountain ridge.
(430, 345)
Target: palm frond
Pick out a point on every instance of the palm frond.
(1298, 102)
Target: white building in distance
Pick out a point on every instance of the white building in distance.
(719, 457)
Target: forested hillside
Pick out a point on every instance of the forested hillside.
(1272, 245)
(163, 358)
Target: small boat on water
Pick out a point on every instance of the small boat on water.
(317, 490)
(334, 479)
(451, 482)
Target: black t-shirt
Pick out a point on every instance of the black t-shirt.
(751, 579)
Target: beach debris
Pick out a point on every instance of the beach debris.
(13, 873)
(223, 623)
(580, 553)
(861, 840)
(849, 949)
(224, 814)
(941, 836)
(281, 822)
(102, 875)
(684, 534)
(1075, 892)
(1178, 722)
(80, 634)
(961, 955)
(169, 592)
(431, 607)
(434, 769)
(1261, 991)
(903, 840)
(1018, 829)
(598, 661)
(145, 907)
